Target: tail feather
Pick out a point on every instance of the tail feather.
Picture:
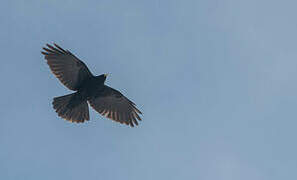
(71, 108)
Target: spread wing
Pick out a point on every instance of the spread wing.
(65, 66)
(115, 106)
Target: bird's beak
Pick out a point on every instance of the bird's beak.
(105, 75)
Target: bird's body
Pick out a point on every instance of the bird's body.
(91, 87)
(75, 75)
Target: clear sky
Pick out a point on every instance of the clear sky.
(216, 81)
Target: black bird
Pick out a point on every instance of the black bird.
(76, 76)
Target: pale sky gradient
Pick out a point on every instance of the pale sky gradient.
(216, 81)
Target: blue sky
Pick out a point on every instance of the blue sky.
(216, 81)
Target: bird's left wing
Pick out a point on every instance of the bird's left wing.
(65, 66)
(115, 106)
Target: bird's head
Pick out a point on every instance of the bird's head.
(102, 77)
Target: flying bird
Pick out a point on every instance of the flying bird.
(90, 89)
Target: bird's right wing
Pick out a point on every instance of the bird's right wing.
(115, 106)
(65, 66)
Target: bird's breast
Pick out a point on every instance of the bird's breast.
(90, 88)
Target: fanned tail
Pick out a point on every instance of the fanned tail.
(72, 108)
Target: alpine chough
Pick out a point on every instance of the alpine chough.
(76, 76)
